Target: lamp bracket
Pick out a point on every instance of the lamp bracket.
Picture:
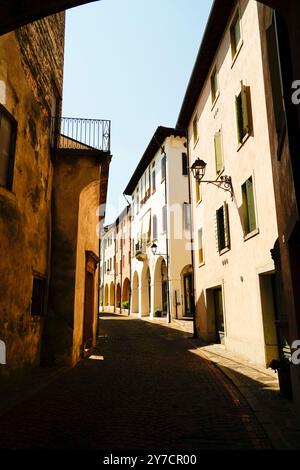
(224, 182)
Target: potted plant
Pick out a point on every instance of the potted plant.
(158, 313)
(282, 366)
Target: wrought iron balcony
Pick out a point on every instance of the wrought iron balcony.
(140, 250)
(80, 134)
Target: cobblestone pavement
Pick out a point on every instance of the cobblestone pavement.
(146, 387)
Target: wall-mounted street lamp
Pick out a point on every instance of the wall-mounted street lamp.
(224, 182)
(154, 252)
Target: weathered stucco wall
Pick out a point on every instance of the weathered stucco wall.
(27, 67)
(87, 240)
(74, 229)
(286, 205)
(236, 270)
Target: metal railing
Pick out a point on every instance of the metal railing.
(140, 248)
(81, 134)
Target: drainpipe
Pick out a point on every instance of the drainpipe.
(167, 242)
(191, 238)
(167, 238)
(121, 273)
(115, 274)
(99, 285)
(130, 267)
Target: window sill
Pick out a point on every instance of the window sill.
(234, 58)
(251, 234)
(241, 144)
(225, 250)
(198, 203)
(163, 179)
(201, 264)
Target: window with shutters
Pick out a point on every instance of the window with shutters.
(153, 181)
(236, 35)
(249, 217)
(222, 223)
(195, 129)
(274, 58)
(154, 227)
(198, 191)
(200, 247)
(243, 113)
(186, 216)
(218, 152)
(8, 133)
(185, 165)
(164, 219)
(163, 167)
(133, 206)
(214, 84)
(38, 296)
(137, 202)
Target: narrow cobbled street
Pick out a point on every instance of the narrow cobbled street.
(144, 388)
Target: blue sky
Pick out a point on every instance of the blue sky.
(130, 61)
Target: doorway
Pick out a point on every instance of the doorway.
(215, 315)
(269, 314)
(89, 301)
(188, 293)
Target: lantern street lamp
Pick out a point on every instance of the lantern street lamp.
(224, 182)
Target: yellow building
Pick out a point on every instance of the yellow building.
(51, 184)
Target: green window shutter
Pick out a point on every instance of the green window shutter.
(200, 246)
(245, 110)
(239, 118)
(250, 204)
(218, 152)
(220, 229)
(277, 92)
(198, 191)
(226, 225)
(245, 210)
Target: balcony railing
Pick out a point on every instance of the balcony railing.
(140, 250)
(81, 134)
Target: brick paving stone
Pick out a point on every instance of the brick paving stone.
(152, 390)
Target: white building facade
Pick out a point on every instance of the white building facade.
(108, 270)
(161, 282)
(227, 125)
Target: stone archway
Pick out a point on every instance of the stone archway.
(145, 294)
(112, 294)
(135, 293)
(106, 302)
(160, 288)
(125, 293)
(118, 296)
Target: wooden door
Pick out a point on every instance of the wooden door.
(89, 301)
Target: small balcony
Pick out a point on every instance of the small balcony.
(80, 135)
(140, 251)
